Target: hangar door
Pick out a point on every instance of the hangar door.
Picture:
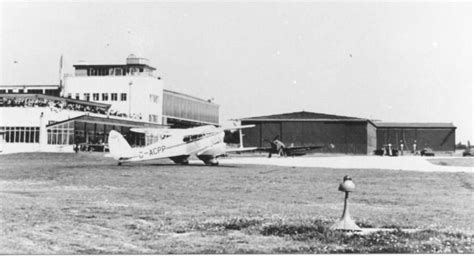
(269, 131)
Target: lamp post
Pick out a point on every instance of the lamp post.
(15, 69)
(130, 99)
(345, 222)
(41, 132)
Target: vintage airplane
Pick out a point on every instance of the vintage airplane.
(205, 142)
(278, 147)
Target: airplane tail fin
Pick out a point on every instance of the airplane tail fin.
(118, 146)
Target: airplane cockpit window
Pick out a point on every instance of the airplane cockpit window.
(193, 137)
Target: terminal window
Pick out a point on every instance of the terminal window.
(105, 97)
(153, 118)
(154, 98)
(123, 97)
(21, 134)
(113, 97)
(87, 96)
(95, 96)
(35, 91)
(77, 96)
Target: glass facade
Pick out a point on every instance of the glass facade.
(183, 107)
(61, 134)
(21, 134)
(97, 133)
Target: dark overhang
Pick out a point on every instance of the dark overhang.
(109, 120)
(28, 86)
(86, 66)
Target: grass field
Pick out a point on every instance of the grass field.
(86, 204)
(458, 161)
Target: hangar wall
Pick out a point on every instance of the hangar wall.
(347, 137)
(436, 137)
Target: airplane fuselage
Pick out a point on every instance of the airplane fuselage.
(178, 145)
(205, 142)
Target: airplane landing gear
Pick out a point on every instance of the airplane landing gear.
(211, 162)
(182, 160)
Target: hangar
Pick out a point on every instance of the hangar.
(344, 134)
(437, 136)
(337, 134)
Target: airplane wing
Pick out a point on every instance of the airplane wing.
(237, 127)
(153, 131)
(264, 149)
(300, 150)
(290, 150)
(240, 149)
(304, 147)
(185, 132)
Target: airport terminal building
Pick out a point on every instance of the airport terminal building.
(95, 100)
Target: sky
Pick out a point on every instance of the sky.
(389, 61)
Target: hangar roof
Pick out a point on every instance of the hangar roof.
(303, 115)
(406, 125)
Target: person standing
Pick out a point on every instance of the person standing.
(76, 147)
(401, 147)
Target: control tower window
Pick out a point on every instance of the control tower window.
(123, 97)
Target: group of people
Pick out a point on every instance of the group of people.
(112, 112)
(26, 102)
(58, 105)
(52, 104)
(393, 150)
